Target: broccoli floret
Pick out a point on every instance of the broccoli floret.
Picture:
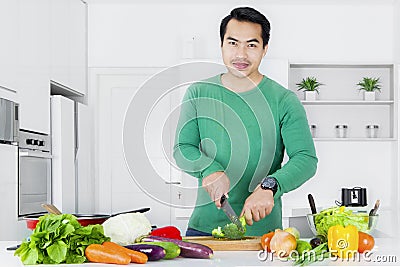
(231, 231)
(217, 232)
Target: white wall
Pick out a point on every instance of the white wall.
(396, 32)
(126, 33)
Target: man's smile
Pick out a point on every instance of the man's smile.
(240, 65)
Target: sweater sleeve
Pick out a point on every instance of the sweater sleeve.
(297, 140)
(187, 148)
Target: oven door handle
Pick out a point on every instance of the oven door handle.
(35, 154)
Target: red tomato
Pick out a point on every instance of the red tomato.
(265, 239)
(365, 242)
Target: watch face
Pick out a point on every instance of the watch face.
(268, 183)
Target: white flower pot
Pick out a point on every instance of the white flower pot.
(369, 96)
(310, 95)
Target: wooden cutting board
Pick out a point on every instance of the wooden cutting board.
(248, 243)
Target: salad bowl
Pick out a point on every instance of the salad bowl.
(321, 222)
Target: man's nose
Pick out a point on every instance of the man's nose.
(241, 51)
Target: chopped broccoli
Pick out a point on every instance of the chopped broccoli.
(230, 230)
(243, 221)
(217, 233)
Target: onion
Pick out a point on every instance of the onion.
(282, 243)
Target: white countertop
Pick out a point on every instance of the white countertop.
(385, 248)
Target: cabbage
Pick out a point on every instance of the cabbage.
(125, 228)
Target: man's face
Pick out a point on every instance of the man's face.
(242, 48)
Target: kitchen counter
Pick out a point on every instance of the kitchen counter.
(386, 249)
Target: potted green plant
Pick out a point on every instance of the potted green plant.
(310, 87)
(369, 86)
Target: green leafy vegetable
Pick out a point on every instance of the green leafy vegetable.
(317, 254)
(230, 230)
(303, 246)
(217, 232)
(59, 239)
(340, 216)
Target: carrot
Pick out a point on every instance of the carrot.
(136, 256)
(102, 254)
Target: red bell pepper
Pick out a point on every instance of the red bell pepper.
(167, 231)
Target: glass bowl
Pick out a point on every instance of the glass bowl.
(319, 224)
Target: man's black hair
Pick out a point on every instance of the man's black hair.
(247, 14)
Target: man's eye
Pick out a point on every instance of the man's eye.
(232, 42)
(252, 45)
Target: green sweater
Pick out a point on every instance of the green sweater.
(244, 135)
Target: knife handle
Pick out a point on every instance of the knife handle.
(223, 198)
(312, 204)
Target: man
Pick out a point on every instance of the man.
(233, 130)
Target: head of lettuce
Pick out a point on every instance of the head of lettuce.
(59, 239)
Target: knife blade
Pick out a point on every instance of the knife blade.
(228, 210)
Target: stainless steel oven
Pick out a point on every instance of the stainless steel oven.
(34, 172)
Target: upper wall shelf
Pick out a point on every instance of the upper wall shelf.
(340, 66)
(347, 102)
(340, 80)
(360, 139)
(339, 101)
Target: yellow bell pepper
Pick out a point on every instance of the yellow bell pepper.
(343, 241)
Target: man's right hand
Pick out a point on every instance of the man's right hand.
(216, 185)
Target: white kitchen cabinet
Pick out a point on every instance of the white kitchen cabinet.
(339, 102)
(8, 48)
(68, 44)
(11, 228)
(33, 64)
(9, 94)
(59, 31)
(78, 46)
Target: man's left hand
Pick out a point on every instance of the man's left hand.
(258, 205)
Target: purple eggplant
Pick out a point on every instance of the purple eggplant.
(153, 252)
(188, 249)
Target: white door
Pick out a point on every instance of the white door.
(117, 189)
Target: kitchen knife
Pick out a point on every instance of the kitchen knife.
(375, 208)
(372, 213)
(227, 208)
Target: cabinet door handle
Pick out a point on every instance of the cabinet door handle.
(35, 154)
(173, 182)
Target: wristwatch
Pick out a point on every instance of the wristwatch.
(269, 183)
